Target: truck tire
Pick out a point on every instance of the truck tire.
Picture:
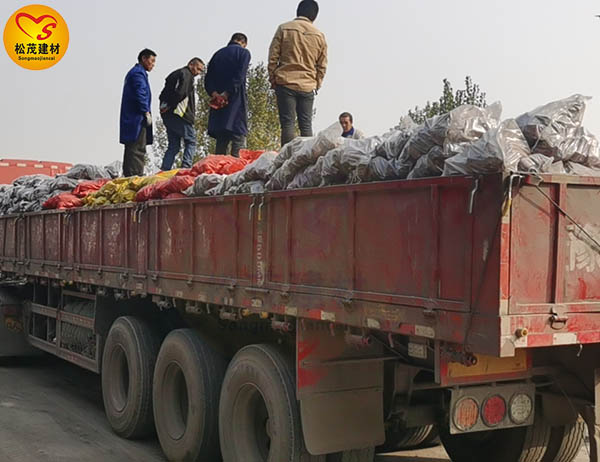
(187, 386)
(565, 442)
(259, 417)
(127, 368)
(408, 438)
(357, 455)
(521, 444)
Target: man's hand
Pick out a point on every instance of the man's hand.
(148, 119)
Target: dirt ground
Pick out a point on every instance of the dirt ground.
(51, 411)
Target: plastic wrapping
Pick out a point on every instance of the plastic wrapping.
(394, 141)
(92, 172)
(535, 163)
(309, 177)
(260, 169)
(288, 150)
(203, 183)
(251, 187)
(305, 153)
(467, 124)
(547, 127)
(501, 148)
(582, 148)
(429, 165)
(348, 162)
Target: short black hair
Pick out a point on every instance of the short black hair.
(308, 8)
(145, 53)
(195, 60)
(239, 37)
(347, 114)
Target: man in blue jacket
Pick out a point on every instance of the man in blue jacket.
(225, 83)
(136, 117)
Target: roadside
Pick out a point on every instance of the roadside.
(52, 411)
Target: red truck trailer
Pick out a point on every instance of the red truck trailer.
(320, 324)
(11, 169)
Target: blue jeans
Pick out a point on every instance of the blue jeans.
(177, 128)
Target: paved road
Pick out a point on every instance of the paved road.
(51, 411)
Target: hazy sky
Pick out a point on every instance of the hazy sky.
(385, 56)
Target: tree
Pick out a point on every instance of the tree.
(449, 100)
(263, 121)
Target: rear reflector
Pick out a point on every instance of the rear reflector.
(494, 410)
(466, 413)
(520, 408)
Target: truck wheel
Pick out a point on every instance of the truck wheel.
(127, 367)
(565, 442)
(407, 438)
(521, 444)
(187, 386)
(357, 455)
(258, 416)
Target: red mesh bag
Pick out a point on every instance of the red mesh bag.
(87, 187)
(250, 156)
(224, 165)
(172, 186)
(63, 201)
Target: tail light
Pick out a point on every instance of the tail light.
(520, 408)
(465, 414)
(493, 410)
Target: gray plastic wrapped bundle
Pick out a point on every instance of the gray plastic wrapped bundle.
(394, 141)
(536, 163)
(288, 150)
(547, 127)
(306, 153)
(429, 165)
(251, 187)
(469, 123)
(500, 149)
(308, 177)
(203, 183)
(260, 169)
(582, 148)
(339, 165)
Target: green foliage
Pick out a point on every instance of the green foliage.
(263, 120)
(449, 100)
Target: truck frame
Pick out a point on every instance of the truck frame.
(320, 324)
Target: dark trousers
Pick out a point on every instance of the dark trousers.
(237, 142)
(134, 158)
(292, 103)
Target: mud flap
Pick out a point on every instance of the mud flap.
(340, 388)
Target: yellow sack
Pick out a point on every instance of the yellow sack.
(122, 190)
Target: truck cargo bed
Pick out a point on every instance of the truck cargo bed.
(456, 259)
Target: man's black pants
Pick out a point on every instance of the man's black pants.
(134, 158)
(292, 103)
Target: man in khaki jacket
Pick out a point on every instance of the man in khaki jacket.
(297, 65)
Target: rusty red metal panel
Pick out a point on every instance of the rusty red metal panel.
(393, 244)
(89, 245)
(114, 234)
(533, 232)
(278, 243)
(321, 229)
(582, 265)
(37, 234)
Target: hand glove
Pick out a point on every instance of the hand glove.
(148, 119)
